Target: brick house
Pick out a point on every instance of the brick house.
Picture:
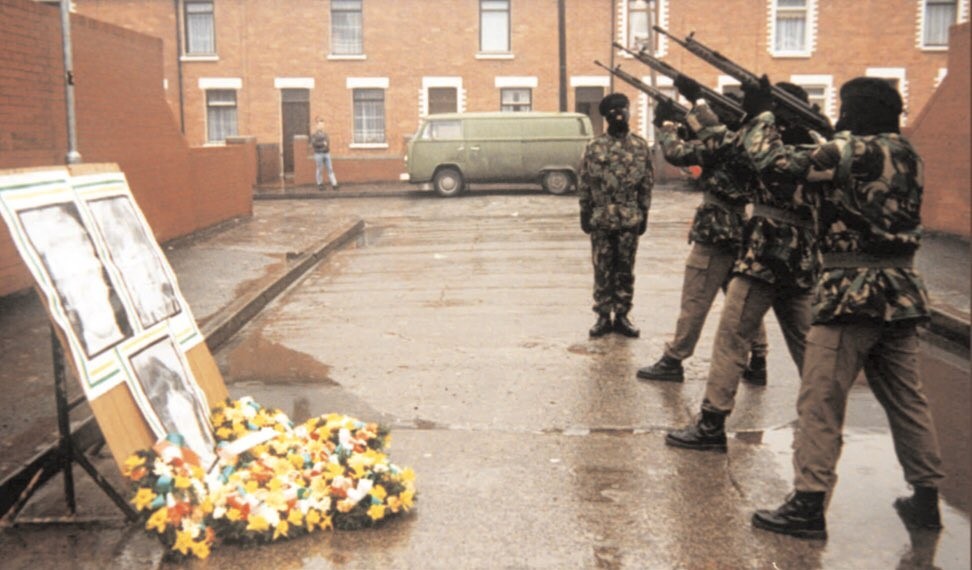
(373, 68)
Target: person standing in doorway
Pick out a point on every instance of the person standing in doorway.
(616, 180)
(321, 143)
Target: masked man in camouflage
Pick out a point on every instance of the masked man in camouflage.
(866, 305)
(616, 180)
(716, 237)
(776, 270)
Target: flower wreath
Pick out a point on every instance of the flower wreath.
(329, 472)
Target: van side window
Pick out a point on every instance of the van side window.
(443, 131)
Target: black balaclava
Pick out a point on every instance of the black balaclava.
(614, 109)
(794, 134)
(869, 106)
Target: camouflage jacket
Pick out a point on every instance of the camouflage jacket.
(780, 238)
(714, 224)
(871, 208)
(616, 180)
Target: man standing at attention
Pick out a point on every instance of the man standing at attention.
(321, 143)
(616, 179)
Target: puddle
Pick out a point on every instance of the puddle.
(256, 358)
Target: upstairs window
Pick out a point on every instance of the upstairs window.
(516, 99)
(791, 27)
(938, 16)
(220, 115)
(639, 28)
(494, 26)
(200, 28)
(346, 27)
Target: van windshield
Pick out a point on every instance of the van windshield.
(442, 131)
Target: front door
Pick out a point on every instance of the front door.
(586, 100)
(295, 113)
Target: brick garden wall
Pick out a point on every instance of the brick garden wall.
(122, 117)
(941, 134)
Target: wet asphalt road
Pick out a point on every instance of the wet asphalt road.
(462, 324)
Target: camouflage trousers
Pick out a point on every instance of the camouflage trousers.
(889, 356)
(613, 255)
(707, 270)
(747, 302)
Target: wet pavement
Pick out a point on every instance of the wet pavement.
(462, 325)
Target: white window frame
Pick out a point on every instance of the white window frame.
(623, 21)
(349, 56)
(898, 73)
(811, 39)
(827, 82)
(352, 83)
(186, 55)
(484, 54)
(724, 81)
(433, 82)
(942, 72)
(219, 84)
(516, 82)
(961, 16)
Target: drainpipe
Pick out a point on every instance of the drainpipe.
(73, 156)
(614, 33)
(562, 37)
(178, 43)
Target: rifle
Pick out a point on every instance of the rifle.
(728, 110)
(647, 89)
(793, 108)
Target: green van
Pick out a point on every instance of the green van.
(451, 152)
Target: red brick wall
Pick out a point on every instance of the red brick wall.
(122, 117)
(941, 134)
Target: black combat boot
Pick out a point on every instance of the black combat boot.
(755, 372)
(920, 511)
(602, 326)
(802, 516)
(667, 368)
(624, 326)
(708, 433)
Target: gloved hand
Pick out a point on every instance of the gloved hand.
(665, 111)
(758, 98)
(688, 87)
(585, 220)
(644, 226)
(827, 156)
(701, 116)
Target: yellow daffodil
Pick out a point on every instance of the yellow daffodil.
(408, 474)
(234, 514)
(197, 472)
(183, 541)
(281, 530)
(131, 463)
(251, 486)
(217, 418)
(333, 470)
(295, 518)
(158, 520)
(257, 524)
(312, 518)
(394, 503)
(200, 549)
(207, 505)
(345, 506)
(276, 501)
(379, 492)
(407, 497)
(275, 484)
(182, 482)
(224, 432)
(326, 523)
(296, 460)
(376, 512)
(143, 498)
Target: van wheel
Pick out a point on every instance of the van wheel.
(448, 182)
(557, 181)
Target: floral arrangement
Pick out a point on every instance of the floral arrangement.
(282, 482)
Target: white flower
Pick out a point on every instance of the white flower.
(364, 487)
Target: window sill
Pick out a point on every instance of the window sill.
(485, 55)
(791, 54)
(349, 57)
(368, 145)
(190, 57)
(214, 144)
(934, 48)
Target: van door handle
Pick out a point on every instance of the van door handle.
(474, 148)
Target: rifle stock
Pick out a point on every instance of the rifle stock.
(788, 105)
(728, 110)
(652, 92)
